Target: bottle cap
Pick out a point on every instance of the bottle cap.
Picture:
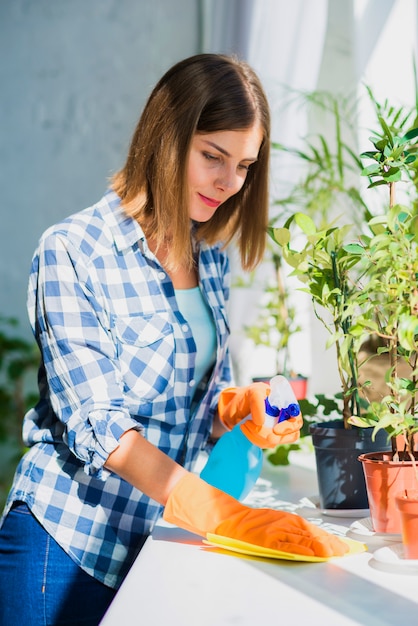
(285, 413)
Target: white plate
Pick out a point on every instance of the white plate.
(313, 502)
(363, 529)
(346, 512)
(394, 556)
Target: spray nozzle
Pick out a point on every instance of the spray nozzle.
(284, 413)
(281, 404)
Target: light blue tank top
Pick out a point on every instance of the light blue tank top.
(198, 315)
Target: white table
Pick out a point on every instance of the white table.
(178, 581)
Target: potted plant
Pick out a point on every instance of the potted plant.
(390, 312)
(330, 269)
(328, 263)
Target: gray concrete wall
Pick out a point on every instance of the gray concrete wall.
(74, 75)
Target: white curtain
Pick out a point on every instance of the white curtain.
(305, 45)
(284, 43)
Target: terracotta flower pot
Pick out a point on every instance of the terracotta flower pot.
(407, 504)
(384, 479)
(299, 385)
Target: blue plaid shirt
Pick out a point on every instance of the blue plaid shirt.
(117, 354)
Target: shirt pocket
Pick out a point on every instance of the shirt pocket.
(145, 349)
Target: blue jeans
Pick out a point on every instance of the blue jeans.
(40, 585)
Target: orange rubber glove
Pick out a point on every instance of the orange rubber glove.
(200, 508)
(236, 403)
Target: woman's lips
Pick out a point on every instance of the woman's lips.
(209, 201)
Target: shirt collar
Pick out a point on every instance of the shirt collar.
(125, 230)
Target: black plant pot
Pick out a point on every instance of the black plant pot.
(340, 474)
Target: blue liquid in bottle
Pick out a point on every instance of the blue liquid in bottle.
(235, 463)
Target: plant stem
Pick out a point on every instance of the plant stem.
(391, 195)
(352, 401)
(393, 344)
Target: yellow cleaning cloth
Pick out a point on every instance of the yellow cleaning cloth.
(235, 545)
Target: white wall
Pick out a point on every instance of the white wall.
(74, 75)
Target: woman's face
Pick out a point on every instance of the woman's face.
(217, 168)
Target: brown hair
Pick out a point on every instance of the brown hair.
(204, 93)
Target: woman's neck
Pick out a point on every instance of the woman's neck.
(182, 277)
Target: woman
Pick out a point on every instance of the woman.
(127, 301)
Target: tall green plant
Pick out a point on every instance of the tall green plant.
(324, 265)
(363, 281)
(390, 308)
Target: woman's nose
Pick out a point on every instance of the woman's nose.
(229, 180)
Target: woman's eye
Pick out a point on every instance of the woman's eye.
(210, 157)
(244, 167)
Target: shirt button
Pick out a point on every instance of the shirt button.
(192, 383)
(161, 275)
(185, 328)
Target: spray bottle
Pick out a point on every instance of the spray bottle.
(235, 463)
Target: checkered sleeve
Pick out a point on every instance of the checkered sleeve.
(79, 357)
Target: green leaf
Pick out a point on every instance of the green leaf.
(305, 223)
(370, 155)
(281, 235)
(393, 175)
(357, 330)
(371, 170)
(411, 158)
(361, 422)
(354, 248)
(377, 183)
(281, 454)
(411, 134)
(387, 131)
(408, 332)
